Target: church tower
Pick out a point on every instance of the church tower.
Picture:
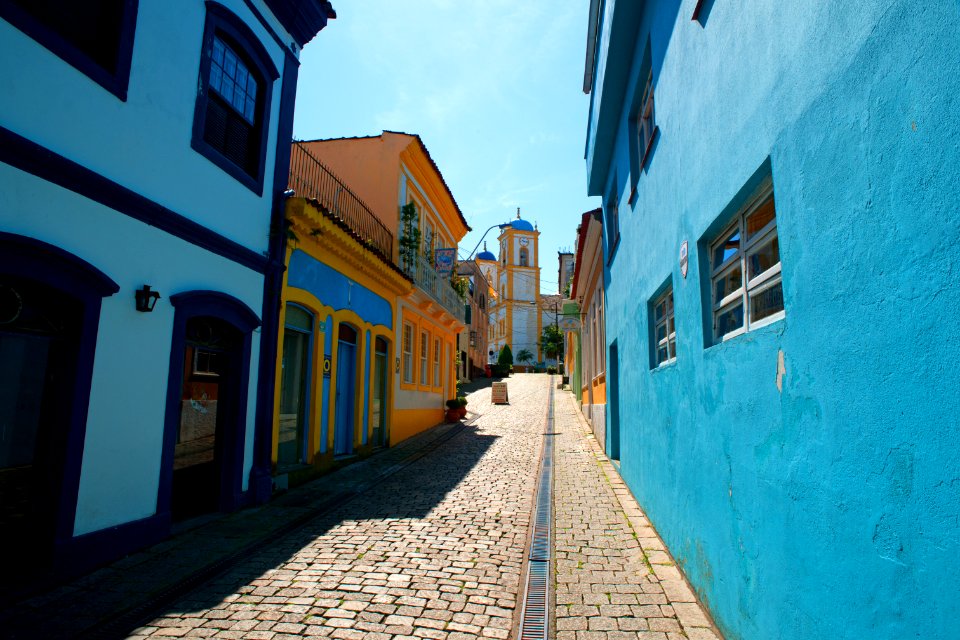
(515, 318)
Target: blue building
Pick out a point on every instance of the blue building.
(781, 238)
(144, 148)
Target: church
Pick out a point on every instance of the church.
(514, 312)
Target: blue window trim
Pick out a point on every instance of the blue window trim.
(193, 304)
(116, 82)
(37, 160)
(224, 24)
(36, 260)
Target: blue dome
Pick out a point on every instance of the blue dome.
(486, 255)
(521, 225)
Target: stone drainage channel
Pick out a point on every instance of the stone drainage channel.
(535, 619)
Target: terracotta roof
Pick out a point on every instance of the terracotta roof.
(426, 152)
(337, 220)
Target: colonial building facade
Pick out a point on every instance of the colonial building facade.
(141, 172)
(780, 240)
(409, 319)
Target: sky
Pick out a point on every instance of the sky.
(494, 89)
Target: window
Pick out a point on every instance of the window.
(473, 338)
(233, 100)
(205, 363)
(424, 346)
(613, 220)
(524, 257)
(95, 37)
(646, 124)
(408, 352)
(664, 329)
(745, 281)
(436, 362)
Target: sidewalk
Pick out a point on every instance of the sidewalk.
(615, 579)
(115, 598)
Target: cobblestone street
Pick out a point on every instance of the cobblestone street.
(436, 551)
(429, 542)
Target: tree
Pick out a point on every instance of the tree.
(506, 356)
(551, 341)
(524, 356)
(410, 239)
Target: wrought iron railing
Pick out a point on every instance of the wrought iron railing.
(309, 178)
(426, 277)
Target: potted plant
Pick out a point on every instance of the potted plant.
(453, 410)
(462, 406)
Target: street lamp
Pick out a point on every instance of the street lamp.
(496, 226)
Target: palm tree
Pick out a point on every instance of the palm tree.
(524, 355)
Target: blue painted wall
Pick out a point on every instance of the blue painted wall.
(337, 290)
(830, 508)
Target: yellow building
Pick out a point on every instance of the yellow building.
(515, 317)
(369, 340)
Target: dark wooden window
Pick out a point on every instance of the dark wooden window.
(233, 100)
(94, 36)
(646, 124)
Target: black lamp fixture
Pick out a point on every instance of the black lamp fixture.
(146, 298)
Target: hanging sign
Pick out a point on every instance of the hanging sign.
(683, 259)
(326, 366)
(498, 393)
(444, 260)
(569, 323)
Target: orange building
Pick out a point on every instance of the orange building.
(393, 173)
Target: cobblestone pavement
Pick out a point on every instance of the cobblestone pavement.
(435, 551)
(615, 579)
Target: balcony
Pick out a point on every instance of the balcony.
(309, 178)
(438, 287)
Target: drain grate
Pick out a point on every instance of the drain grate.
(534, 619)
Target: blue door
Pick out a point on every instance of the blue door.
(346, 391)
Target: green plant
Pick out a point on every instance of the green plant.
(551, 341)
(459, 285)
(410, 238)
(524, 356)
(551, 369)
(506, 356)
(462, 401)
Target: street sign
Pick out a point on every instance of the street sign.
(498, 393)
(444, 260)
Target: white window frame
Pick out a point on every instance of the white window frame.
(749, 287)
(668, 322)
(436, 362)
(424, 351)
(407, 346)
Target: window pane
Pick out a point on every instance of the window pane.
(215, 75)
(297, 318)
(662, 354)
(729, 320)
(764, 258)
(248, 111)
(226, 88)
(760, 217)
(766, 303)
(239, 98)
(251, 86)
(727, 284)
(673, 348)
(661, 332)
(218, 51)
(727, 248)
(229, 63)
(660, 311)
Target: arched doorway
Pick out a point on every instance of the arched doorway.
(294, 380)
(50, 304)
(206, 420)
(346, 390)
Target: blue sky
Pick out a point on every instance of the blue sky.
(493, 87)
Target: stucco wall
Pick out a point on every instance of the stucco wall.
(821, 502)
(121, 454)
(143, 143)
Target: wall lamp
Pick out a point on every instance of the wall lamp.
(146, 298)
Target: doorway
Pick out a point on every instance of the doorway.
(209, 412)
(613, 404)
(295, 369)
(40, 330)
(379, 416)
(346, 390)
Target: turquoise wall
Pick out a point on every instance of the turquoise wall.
(827, 509)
